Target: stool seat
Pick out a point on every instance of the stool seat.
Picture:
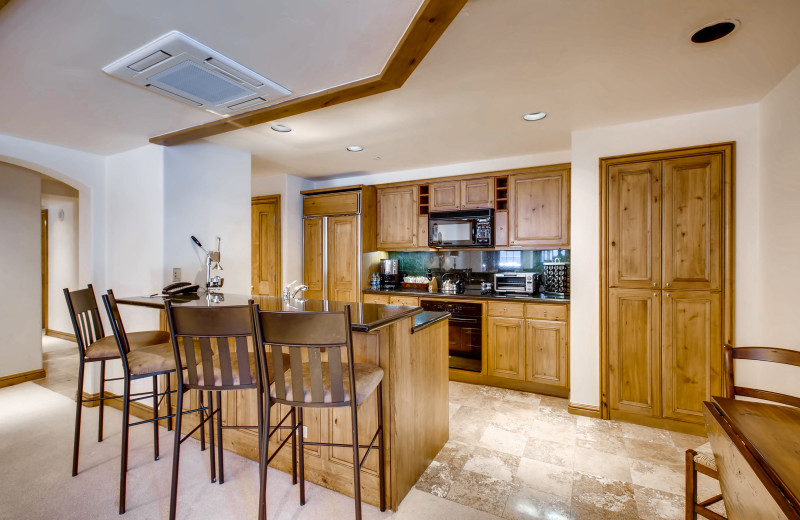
(106, 348)
(705, 456)
(367, 379)
(154, 359)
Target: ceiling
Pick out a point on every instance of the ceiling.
(586, 63)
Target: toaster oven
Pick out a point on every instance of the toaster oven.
(515, 283)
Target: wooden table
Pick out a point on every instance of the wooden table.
(757, 449)
(410, 346)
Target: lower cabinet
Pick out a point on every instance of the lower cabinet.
(535, 349)
(387, 299)
(375, 298)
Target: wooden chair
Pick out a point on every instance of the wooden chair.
(312, 379)
(232, 367)
(701, 460)
(95, 347)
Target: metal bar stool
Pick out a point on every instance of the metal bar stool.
(95, 347)
(231, 367)
(312, 380)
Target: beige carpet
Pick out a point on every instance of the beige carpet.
(36, 427)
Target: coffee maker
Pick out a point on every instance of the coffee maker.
(389, 274)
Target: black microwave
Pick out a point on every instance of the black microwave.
(458, 229)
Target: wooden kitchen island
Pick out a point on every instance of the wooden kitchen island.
(410, 346)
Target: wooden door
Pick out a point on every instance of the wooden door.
(445, 196)
(477, 193)
(397, 217)
(506, 347)
(265, 229)
(634, 352)
(313, 257)
(634, 225)
(692, 229)
(546, 352)
(539, 208)
(343, 257)
(691, 352)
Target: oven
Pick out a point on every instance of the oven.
(465, 332)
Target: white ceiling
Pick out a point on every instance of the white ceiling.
(585, 62)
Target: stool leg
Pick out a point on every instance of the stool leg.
(356, 462)
(169, 404)
(203, 429)
(155, 418)
(219, 437)
(381, 452)
(294, 446)
(263, 442)
(102, 400)
(301, 456)
(123, 472)
(211, 436)
(176, 455)
(78, 405)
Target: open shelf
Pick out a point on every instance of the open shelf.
(501, 193)
(424, 204)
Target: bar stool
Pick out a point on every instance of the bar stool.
(94, 346)
(311, 382)
(231, 367)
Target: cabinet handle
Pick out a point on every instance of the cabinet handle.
(667, 284)
(667, 295)
(545, 312)
(655, 284)
(655, 294)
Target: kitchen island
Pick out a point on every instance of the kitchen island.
(410, 346)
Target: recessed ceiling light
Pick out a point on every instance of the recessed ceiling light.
(714, 31)
(281, 128)
(354, 148)
(534, 116)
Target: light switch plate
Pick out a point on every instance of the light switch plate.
(176, 274)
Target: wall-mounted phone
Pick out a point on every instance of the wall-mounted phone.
(180, 288)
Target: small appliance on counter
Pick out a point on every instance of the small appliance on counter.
(556, 278)
(389, 273)
(515, 283)
(453, 283)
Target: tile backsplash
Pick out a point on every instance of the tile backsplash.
(417, 263)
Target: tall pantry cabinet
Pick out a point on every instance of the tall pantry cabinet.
(667, 297)
(338, 226)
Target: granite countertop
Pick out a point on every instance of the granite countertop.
(365, 316)
(428, 318)
(470, 295)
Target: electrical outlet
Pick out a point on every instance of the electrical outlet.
(176, 274)
(305, 432)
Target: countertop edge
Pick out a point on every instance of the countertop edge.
(428, 318)
(375, 325)
(486, 297)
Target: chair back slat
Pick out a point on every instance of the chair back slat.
(304, 335)
(770, 354)
(116, 322)
(214, 332)
(85, 316)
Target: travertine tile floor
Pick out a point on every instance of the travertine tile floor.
(523, 456)
(519, 456)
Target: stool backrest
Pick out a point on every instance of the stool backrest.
(304, 335)
(117, 327)
(229, 327)
(85, 316)
(774, 355)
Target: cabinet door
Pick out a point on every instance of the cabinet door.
(404, 300)
(546, 352)
(477, 193)
(501, 228)
(445, 196)
(539, 208)
(634, 225)
(397, 217)
(691, 352)
(506, 347)
(376, 298)
(266, 248)
(692, 231)
(343, 283)
(634, 351)
(313, 260)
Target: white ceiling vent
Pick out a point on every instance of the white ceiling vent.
(188, 71)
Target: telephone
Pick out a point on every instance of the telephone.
(180, 288)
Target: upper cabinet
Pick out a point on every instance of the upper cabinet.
(398, 217)
(463, 194)
(538, 204)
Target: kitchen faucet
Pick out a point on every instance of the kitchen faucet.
(298, 289)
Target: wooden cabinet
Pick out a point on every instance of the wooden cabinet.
(462, 194)
(506, 347)
(265, 228)
(663, 243)
(313, 260)
(547, 357)
(404, 300)
(539, 208)
(397, 217)
(376, 298)
(344, 284)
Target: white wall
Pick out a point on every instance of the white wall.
(62, 257)
(738, 124)
(20, 232)
(207, 194)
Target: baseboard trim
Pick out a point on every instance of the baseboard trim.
(61, 335)
(586, 410)
(137, 409)
(15, 379)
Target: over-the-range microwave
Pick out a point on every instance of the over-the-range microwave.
(458, 229)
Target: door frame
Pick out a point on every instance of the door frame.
(276, 199)
(727, 152)
(45, 271)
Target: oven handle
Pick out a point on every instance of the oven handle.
(465, 320)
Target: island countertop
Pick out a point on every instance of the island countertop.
(366, 317)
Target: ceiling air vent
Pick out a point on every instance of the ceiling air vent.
(187, 71)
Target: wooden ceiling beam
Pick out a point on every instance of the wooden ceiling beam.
(432, 20)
